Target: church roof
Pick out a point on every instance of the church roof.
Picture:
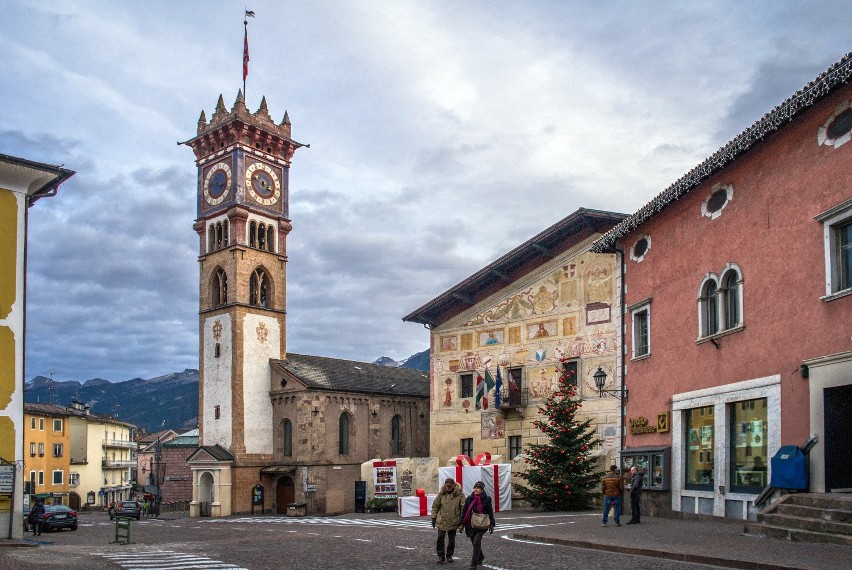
(322, 373)
(835, 76)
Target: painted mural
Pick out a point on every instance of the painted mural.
(567, 313)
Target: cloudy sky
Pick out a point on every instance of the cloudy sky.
(443, 134)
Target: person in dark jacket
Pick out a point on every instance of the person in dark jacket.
(636, 482)
(477, 502)
(446, 514)
(612, 486)
(38, 517)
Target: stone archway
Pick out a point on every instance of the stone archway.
(285, 493)
(206, 493)
(74, 501)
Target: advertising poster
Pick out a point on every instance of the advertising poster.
(384, 479)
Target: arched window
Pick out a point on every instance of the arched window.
(252, 234)
(709, 308)
(733, 314)
(270, 239)
(396, 436)
(343, 434)
(286, 438)
(211, 238)
(220, 288)
(258, 288)
(225, 233)
(261, 236)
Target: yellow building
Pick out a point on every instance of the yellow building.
(548, 306)
(47, 457)
(22, 182)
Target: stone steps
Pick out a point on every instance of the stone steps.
(806, 517)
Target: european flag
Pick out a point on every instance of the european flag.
(497, 386)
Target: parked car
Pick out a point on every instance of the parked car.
(55, 517)
(127, 509)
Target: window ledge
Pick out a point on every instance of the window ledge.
(638, 358)
(720, 334)
(838, 295)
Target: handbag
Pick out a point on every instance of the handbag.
(480, 521)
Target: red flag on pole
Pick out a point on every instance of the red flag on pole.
(245, 55)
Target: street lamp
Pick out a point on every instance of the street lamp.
(600, 382)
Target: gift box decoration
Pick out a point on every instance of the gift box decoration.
(419, 505)
(497, 478)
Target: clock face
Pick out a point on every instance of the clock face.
(262, 183)
(216, 183)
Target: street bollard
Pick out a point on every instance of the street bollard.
(122, 531)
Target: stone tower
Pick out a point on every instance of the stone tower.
(243, 162)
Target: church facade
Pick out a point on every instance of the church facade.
(248, 407)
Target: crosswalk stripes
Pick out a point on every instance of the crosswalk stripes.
(329, 521)
(166, 560)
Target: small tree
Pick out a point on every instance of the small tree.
(561, 473)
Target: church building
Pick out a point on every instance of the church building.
(275, 429)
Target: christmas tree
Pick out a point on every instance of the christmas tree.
(561, 473)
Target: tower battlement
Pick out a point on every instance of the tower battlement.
(240, 126)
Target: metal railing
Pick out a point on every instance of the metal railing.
(513, 398)
(118, 463)
(124, 444)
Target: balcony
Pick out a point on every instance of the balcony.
(123, 444)
(118, 463)
(512, 398)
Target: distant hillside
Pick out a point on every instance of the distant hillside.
(165, 402)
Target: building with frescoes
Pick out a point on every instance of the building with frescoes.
(299, 427)
(22, 183)
(738, 311)
(548, 306)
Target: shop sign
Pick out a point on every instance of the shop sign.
(7, 479)
(384, 479)
(640, 425)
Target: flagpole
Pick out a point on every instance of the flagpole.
(248, 14)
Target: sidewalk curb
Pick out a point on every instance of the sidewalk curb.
(668, 555)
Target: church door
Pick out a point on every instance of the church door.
(285, 493)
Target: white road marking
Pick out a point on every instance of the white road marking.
(166, 560)
(525, 541)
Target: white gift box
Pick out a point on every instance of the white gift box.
(418, 506)
(497, 479)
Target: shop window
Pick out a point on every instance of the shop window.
(641, 317)
(749, 446)
(466, 383)
(837, 236)
(515, 446)
(466, 447)
(699, 423)
(286, 438)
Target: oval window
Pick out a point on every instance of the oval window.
(841, 125)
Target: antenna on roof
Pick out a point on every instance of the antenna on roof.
(51, 395)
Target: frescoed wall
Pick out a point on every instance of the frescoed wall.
(565, 311)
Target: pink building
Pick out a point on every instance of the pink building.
(738, 310)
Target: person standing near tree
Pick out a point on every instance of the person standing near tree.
(612, 486)
(446, 515)
(636, 482)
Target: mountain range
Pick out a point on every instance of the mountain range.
(164, 402)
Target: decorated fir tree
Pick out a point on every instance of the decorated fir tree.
(561, 473)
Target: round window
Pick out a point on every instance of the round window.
(717, 200)
(841, 125)
(640, 247)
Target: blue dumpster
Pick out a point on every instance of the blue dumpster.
(789, 469)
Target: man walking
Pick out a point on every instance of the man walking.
(446, 516)
(636, 482)
(612, 486)
(38, 517)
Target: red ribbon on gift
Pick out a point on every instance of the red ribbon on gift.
(421, 495)
(496, 489)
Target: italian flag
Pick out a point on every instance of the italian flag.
(483, 386)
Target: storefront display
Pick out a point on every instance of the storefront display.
(699, 450)
(749, 451)
(384, 479)
(654, 462)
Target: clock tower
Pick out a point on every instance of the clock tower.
(243, 162)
